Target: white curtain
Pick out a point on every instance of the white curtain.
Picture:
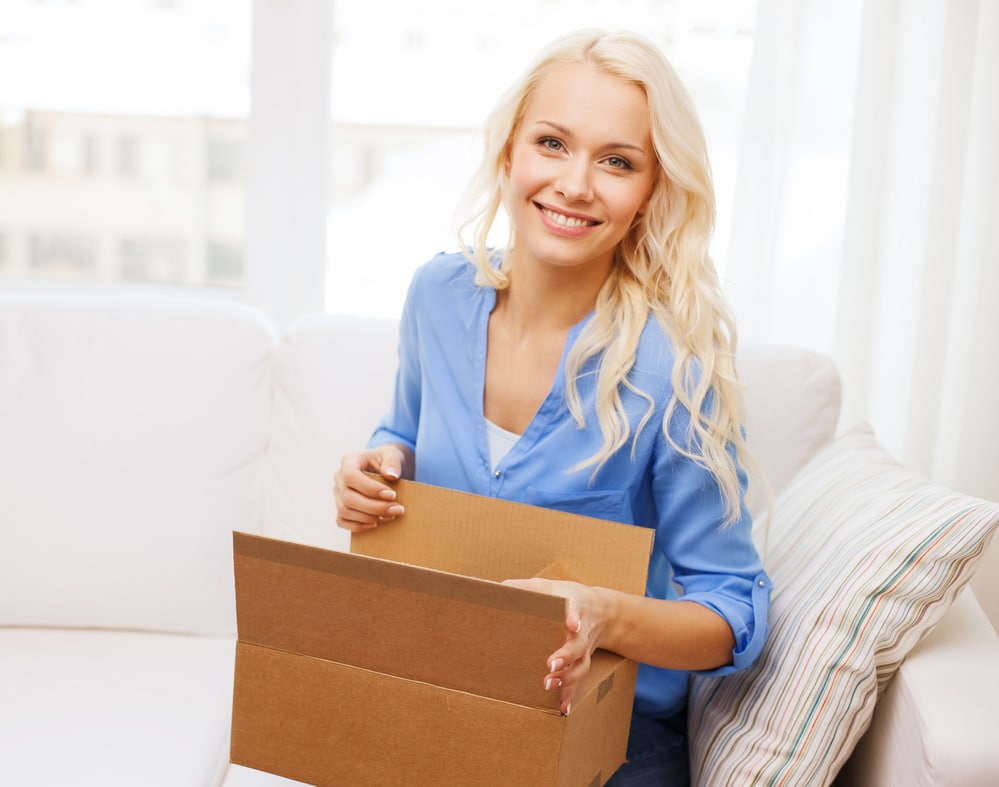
(866, 220)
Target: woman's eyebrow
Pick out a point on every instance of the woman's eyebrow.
(568, 133)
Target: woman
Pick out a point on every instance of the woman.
(589, 367)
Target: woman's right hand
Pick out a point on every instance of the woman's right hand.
(364, 502)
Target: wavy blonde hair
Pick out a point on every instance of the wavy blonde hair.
(661, 267)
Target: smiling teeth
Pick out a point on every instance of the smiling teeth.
(566, 221)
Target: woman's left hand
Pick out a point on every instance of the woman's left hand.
(584, 625)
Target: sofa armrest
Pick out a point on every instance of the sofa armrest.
(937, 723)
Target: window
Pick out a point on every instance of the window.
(34, 146)
(66, 253)
(109, 109)
(89, 154)
(223, 262)
(405, 137)
(222, 160)
(148, 259)
(158, 149)
(127, 157)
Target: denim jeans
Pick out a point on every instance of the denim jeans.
(657, 754)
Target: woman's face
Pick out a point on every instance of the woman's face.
(581, 168)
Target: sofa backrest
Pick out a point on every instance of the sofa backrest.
(333, 381)
(132, 434)
(137, 432)
(793, 398)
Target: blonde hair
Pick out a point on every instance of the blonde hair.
(662, 266)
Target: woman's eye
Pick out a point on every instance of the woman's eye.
(619, 163)
(550, 143)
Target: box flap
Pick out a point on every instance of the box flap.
(498, 539)
(417, 623)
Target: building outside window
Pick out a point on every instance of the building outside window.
(121, 161)
(146, 259)
(105, 108)
(72, 254)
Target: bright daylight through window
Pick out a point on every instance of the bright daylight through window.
(412, 83)
(123, 129)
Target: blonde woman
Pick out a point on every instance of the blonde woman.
(588, 366)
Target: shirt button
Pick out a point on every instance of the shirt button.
(762, 583)
(497, 474)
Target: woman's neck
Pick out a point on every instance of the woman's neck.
(548, 297)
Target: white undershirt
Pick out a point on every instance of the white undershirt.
(500, 442)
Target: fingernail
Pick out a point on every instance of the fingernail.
(391, 472)
(396, 511)
(548, 684)
(556, 665)
(387, 494)
(579, 625)
(567, 709)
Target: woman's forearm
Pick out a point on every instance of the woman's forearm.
(681, 635)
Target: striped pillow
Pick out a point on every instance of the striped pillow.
(865, 559)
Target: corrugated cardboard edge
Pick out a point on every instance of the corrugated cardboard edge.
(391, 573)
(595, 738)
(330, 724)
(422, 624)
(499, 539)
(317, 722)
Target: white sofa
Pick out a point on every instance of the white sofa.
(138, 431)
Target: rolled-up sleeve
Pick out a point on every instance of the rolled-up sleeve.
(749, 639)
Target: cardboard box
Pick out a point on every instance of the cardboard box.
(406, 662)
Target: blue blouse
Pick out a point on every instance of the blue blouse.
(437, 412)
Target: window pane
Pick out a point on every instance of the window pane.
(413, 81)
(122, 127)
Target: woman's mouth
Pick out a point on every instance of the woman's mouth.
(562, 220)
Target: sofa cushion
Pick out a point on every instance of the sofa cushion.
(133, 432)
(792, 407)
(100, 708)
(865, 559)
(333, 382)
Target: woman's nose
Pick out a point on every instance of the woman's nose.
(574, 183)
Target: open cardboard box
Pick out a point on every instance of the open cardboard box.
(407, 662)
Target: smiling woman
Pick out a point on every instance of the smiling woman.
(596, 341)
